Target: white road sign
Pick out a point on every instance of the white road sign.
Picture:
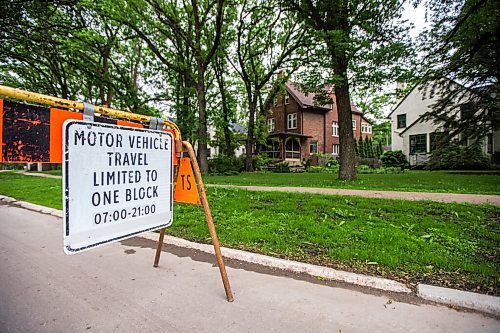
(117, 183)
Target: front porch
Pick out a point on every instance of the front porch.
(286, 147)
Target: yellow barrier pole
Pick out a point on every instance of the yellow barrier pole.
(65, 103)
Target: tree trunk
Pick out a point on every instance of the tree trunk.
(252, 106)
(347, 153)
(225, 109)
(227, 131)
(203, 128)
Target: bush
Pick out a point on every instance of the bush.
(281, 167)
(394, 158)
(495, 157)
(11, 166)
(364, 169)
(225, 165)
(372, 162)
(260, 161)
(459, 157)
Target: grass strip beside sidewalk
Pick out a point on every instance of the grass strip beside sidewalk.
(410, 181)
(452, 245)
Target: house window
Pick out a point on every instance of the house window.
(354, 124)
(271, 124)
(366, 128)
(402, 120)
(313, 147)
(287, 99)
(335, 150)
(292, 121)
(292, 149)
(273, 149)
(335, 128)
(418, 144)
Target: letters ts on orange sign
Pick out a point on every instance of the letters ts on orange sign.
(186, 190)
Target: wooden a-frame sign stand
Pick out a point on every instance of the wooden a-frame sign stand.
(49, 137)
(208, 215)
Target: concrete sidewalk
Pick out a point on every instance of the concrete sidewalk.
(115, 288)
(442, 197)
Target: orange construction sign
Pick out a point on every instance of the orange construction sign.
(186, 190)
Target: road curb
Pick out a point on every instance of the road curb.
(289, 265)
(34, 207)
(451, 297)
(464, 299)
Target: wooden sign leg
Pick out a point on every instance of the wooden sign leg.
(162, 231)
(159, 247)
(210, 222)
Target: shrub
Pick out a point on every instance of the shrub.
(281, 167)
(11, 166)
(459, 157)
(260, 161)
(372, 162)
(394, 158)
(364, 169)
(225, 165)
(495, 157)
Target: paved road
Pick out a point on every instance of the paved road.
(442, 197)
(114, 288)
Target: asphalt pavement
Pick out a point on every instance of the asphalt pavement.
(114, 288)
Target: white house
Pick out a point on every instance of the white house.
(235, 128)
(414, 136)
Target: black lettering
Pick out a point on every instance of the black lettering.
(110, 140)
(111, 178)
(118, 159)
(119, 139)
(79, 136)
(96, 199)
(182, 181)
(92, 138)
(188, 181)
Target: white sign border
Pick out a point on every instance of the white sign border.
(65, 175)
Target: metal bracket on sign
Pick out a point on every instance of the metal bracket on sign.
(88, 112)
(156, 123)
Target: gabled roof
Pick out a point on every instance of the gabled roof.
(307, 100)
(402, 99)
(304, 100)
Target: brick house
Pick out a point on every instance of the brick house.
(298, 128)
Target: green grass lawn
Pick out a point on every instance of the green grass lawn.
(418, 181)
(454, 245)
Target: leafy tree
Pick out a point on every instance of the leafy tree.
(380, 149)
(382, 133)
(361, 45)
(361, 147)
(462, 45)
(184, 37)
(268, 37)
(64, 49)
(458, 157)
